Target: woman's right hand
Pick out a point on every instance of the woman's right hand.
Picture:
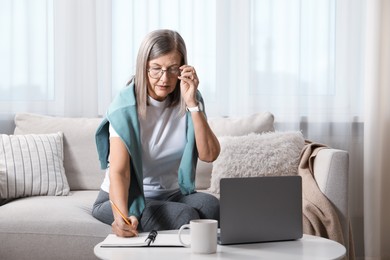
(122, 229)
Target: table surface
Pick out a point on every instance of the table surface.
(308, 247)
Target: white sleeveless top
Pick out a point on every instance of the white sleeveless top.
(163, 138)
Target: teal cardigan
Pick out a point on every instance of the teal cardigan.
(123, 117)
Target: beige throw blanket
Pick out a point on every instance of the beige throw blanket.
(319, 216)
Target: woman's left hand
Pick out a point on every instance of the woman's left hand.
(206, 141)
(189, 84)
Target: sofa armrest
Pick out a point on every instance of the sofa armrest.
(331, 168)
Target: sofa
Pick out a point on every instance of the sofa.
(54, 221)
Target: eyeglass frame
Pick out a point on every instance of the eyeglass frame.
(168, 71)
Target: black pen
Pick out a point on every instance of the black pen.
(151, 237)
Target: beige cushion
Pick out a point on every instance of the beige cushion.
(32, 165)
(232, 126)
(268, 154)
(236, 126)
(81, 162)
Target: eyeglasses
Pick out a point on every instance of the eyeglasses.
(157, 73)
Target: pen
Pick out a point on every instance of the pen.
(120, 213)
(152, 236)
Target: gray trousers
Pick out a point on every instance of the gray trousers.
(168, 214)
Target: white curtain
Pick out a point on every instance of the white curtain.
(26, 55)
(377, 131)
(286, 56)
(55, 57)
(318, 66)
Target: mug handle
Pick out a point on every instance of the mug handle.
(180, 230)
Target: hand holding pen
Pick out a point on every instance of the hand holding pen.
(125, 228)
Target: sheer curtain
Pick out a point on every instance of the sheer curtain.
(288, 57)
(55, 57)
(308, 62)
(26, 55)
(377, 131)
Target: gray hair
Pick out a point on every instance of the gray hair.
(156, 44)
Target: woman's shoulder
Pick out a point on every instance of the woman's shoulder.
(128, 93)
(125, 98)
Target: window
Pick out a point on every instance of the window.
(26, 50)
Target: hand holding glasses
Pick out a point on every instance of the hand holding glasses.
(187, 75)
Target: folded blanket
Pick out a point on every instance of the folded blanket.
(319, 216)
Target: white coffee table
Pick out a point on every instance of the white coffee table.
(309, 247)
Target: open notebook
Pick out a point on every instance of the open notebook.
(152, 239)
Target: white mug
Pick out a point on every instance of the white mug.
(203, 235)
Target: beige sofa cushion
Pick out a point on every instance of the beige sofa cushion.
(236, 126)
(81, 163)
(261, 122)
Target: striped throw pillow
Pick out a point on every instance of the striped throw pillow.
(32, 165)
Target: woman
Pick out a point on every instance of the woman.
(150, 140)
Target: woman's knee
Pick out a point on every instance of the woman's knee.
(167, 215)
(212, 208)
(207, 205)
(101, 209)
(103, 213)
(188, 213)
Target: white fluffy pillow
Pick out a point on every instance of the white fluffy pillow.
(32, 165)
(273, 153)
(232, 126)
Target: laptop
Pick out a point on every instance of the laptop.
(260, 209)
